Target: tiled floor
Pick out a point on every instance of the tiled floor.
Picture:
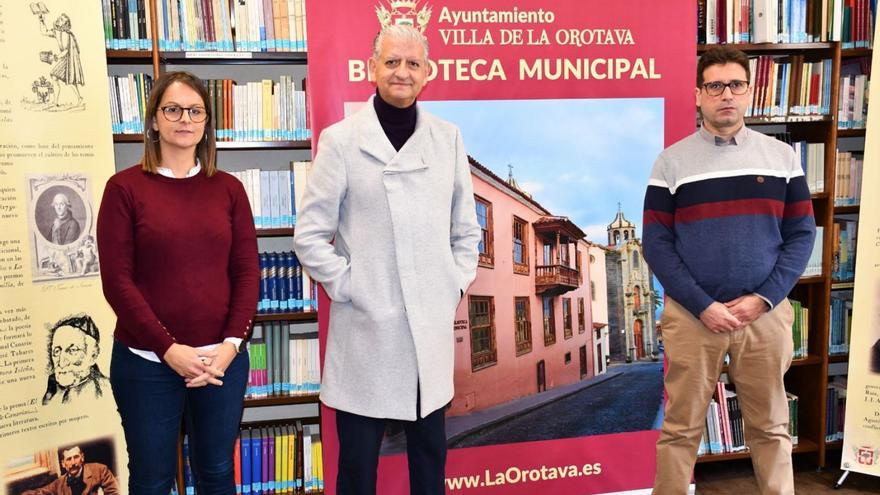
(737, 478)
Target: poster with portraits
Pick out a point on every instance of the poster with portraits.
(861, 439)
(58, 420)
(563, 107)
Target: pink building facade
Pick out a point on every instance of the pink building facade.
(525, 325)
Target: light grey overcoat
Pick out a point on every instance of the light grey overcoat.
(405, 249)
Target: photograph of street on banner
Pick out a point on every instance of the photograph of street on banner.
(558, 336)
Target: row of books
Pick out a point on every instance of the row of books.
(840, 322)
(283, 363)
(285, 287)
(259, 111)
(788, 85)
(812, 160)
(127, 24)
(848, 178)
(843, 256)
(852, 112)
(239, 25)
(800, 329)
(128, 99)
(786, 21)
(724, 430)
(835, 409)
(814, 264)
(274, 194)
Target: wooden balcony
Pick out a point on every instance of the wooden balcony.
(552, 280)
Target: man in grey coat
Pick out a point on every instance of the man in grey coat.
(388, 226)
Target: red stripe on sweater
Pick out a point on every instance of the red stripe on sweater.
(719, 209)
(799, 209)
(663, 218)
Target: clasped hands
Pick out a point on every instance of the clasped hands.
(200, 367)
(733, 315)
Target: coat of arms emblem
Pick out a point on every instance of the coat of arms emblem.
(404, 12)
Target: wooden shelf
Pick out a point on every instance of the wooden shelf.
(279, 232)
(819, 195)
(837, 444)
(856, 52)
(789, 119)
(807, 361)
(264, 145)
(851, 132)
(129, 56)
(802, 447)
(842, 285)
(815, 279)
(282, 401)
(128, 138)
(838, 358)
(298, 58)
(305, 316)
(773, 47)
(846, 210)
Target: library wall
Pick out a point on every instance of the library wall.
(563, 108)
(55, 328)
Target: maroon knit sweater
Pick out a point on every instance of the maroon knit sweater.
(178, 259)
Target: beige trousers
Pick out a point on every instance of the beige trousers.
(760, 354)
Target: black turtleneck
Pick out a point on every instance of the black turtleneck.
(398, 123)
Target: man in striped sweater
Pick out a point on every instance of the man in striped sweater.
(728, 230)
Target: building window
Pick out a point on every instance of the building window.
(582, 322)
(549, 322)
(566, 317)
(625, 235)
(592, 290)
(578, 265)
(482, 318)
(637, 298)
(567, 357)
(484, 218)
(520, 246)
(592, 259)
(564, 258)
(522, 325)
(548, 254)
(635, 257)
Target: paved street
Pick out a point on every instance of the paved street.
(628, 402)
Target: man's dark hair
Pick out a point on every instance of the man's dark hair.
(720, 55)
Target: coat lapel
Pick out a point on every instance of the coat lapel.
(372, 141)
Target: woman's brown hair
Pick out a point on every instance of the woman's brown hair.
(206, 150)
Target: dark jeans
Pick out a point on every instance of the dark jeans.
(360, 438)
(152, 398)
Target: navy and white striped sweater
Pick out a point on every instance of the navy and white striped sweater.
(724, 221)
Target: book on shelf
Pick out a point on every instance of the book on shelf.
(840, 322)
(283, 363)
(128, 100)
(800, 329)
(814, 264)
(835, 408)
(127, 24)
(263, 110)
(843, 257)
(788, 85)
(812, 159)
(852, 110)
(785, 21)
(313, 477)
(239, 25)
(848, 178)
(285, 190)
(285, 287)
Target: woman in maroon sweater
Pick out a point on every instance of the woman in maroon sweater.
(179, 267)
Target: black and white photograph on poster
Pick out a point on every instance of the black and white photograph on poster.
(74, 344)
(59, 88)
(82, 467)
(61, 227)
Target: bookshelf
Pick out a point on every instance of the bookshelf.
(808, 378)
(242, 67)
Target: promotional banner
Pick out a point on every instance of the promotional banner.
(861, 439)
(57, 415)
(563, 108)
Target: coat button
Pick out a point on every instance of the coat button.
(760, 180)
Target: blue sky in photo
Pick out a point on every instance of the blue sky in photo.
(577, 158)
